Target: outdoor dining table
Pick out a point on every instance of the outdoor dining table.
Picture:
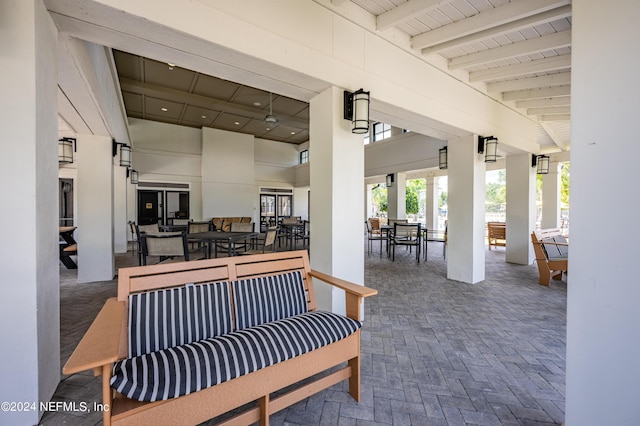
(211, 238)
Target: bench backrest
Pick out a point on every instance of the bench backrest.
(549, 251)
(146, 286)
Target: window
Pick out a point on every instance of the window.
(381, 131)
(304, 156)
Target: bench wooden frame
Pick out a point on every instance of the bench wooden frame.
(548, 268)
(497, 234)
(106, 342)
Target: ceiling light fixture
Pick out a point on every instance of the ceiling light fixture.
(164, 109)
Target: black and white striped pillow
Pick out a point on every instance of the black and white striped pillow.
(191, 367)
(265, 299)
(172, 317)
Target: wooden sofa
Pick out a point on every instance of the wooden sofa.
(123, 334)
(224, 223)
(552, 254)
(497, 233)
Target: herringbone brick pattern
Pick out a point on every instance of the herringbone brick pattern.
(435, 351)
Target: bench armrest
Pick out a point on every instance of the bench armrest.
(101, 343)
(551, 243)
(353, 292)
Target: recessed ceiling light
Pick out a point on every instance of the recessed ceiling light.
(170, 64)
(164, 109)
(257, 103)
(203, 116)
(237, 123)
(293, 133)
(268, 128)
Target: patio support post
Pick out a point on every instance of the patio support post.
(521, 207)
(30, 302)
(96, 261)
(466, 195)
(431, 208)
(551, 197)
(337, 186)
(396, 197)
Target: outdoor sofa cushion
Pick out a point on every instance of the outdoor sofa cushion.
(171, 317)
(184, 369)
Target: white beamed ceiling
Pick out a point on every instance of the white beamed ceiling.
(518, 50)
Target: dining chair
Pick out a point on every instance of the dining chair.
(149, 229)
(194, 228)
(166, 246)
(406, 234)
(266, 244)
(301, 233)
(374, 233)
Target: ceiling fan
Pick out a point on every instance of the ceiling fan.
(270, 119)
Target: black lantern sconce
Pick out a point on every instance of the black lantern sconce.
(541, 163)
(443, 158)
(389, 180)
(133, 176)
(66, 147)
(356, 110)
(125, 153)
(488, 145)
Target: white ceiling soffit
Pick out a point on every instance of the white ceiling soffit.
(519, 49)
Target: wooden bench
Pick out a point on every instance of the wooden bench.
(497, 233)
(552, 254)
(118, 338)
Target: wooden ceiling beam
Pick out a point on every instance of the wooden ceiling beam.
(519, 24)
(526, 47)
(484, 20)
(530, 83)
(546, 92)
(544, 102)
(406, 11)
(552, 63)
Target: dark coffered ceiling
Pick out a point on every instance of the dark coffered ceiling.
(164, 92)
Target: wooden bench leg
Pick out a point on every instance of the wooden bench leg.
(545, 274)
(264, 410)
(354, 380)
(107, 401)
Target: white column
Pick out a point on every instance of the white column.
(431, 209)
(603, 319)
(337, 184)
(396, 197)
(551, 197)
(30, 302)
(466, 195)
(120, 226)
(95, 208)
(521, 208)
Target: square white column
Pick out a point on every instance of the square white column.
(431, 208)
(96, 260)
(30, 302)
(397, 197)
(521, 208)
(466, 196)
(603, 318)
(337, 185)
(551, 197)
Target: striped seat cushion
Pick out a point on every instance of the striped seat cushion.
(166, 318)
(265, 299)
(178, 371)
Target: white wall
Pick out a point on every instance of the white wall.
(228, 174)
(402, 153)
(603, 318)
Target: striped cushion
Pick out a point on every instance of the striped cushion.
(172, 317)
(265, 299)
(191, 367)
